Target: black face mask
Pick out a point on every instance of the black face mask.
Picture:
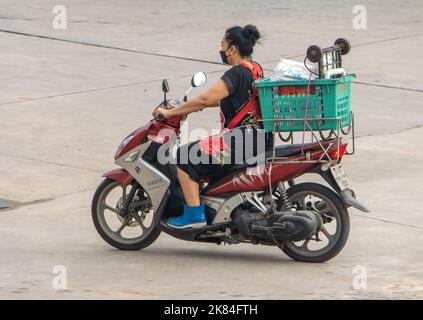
(224, 57)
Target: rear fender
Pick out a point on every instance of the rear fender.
(120, 175)
(347, 196)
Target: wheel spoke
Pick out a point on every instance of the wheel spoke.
(305, 244)
(326, 233)
(106, 206)
(124, 224)
(326, 209)
(140, 222)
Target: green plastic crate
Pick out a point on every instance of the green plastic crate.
(286, 99)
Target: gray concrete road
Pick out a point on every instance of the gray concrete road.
(68, 97)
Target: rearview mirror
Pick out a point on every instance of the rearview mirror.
(165, 86)
(198, 79)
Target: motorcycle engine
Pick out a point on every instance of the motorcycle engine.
(282, 226)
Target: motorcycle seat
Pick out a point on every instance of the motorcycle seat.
(280, 151)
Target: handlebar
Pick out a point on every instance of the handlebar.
(168, 104)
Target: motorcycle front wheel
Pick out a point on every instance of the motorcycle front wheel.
(133, 232)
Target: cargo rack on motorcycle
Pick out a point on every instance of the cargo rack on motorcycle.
(315, 106)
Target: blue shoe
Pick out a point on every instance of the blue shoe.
(192, 217)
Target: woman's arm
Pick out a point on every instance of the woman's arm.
(209, 98)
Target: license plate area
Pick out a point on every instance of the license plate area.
(340, 177)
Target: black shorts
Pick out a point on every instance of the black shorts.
(241, 145)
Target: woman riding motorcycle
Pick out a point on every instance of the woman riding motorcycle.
(232, 93)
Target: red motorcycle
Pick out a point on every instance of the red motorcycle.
(257, 204)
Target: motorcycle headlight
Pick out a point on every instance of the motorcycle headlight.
(132, 156)
(122, 145)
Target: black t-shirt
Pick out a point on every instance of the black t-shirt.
(239, 80)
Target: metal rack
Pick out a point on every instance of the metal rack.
(325, 158)
(329, 58)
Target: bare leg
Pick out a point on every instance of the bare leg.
(190, 188)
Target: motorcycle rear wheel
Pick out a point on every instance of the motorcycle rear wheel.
(304, 197)
(139, 210)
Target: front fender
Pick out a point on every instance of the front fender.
(120, 175)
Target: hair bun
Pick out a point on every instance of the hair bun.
(251, 33)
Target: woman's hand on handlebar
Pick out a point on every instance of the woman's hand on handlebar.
(161, 113)
(210, 98)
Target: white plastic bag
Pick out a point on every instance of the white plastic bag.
(292, 70)
(335, 73)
